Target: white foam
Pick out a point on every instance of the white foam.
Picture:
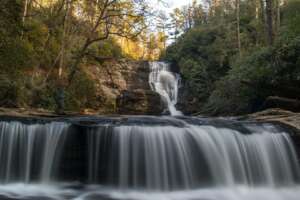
(166, 84)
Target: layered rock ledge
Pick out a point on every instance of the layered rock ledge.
(288, 118)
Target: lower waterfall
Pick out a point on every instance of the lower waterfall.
(127, 158)
(29, 152)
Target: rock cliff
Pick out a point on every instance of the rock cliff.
(122, 88)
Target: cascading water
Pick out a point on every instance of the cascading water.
(166, 84)
(168, 158)
(28, 152)
(147, 158)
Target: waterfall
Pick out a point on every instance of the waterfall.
(168, 158)
(29, 152)
(166, 84)
(160, 156)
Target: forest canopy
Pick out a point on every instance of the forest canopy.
(237, 53)
(45, 43)
(233, 55)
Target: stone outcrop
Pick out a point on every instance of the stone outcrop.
(290, 120)
(26, 112)
(139, 102)
(123, 88)
(285, 117)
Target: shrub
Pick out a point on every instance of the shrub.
(81, 93)
(269, 71)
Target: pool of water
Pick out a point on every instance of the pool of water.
(75, 191)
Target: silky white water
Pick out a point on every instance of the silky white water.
(29, 149)
(94, 192)
(171, 159)
(166, 84)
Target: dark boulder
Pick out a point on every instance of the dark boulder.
(139, 102)
(283, 103)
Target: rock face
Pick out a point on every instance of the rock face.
(123, 88)
(139, 102)
(288, 118)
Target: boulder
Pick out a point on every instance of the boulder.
(139, 102)
(288, 118)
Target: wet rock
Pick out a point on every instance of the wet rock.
(137, 102)
(285, 117)
(113, 77)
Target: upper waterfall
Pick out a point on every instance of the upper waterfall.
(166, 84)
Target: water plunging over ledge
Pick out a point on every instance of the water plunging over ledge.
(166, 84)
(147, 158)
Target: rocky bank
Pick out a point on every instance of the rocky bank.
(123, 88)
(277, 115)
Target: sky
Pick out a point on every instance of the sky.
(176, 4)
(170, 4)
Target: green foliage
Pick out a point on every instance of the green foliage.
(105, 49)
(291, 20)
(31, 53)
(225, 83)
(81, 93)
(14, 55)
(202, 56)
(237, 92)
(10, 18)
(10, 91)
(269, 71)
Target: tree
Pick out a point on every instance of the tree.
(270, 21)
(10, 17)
(277, 16)
(67, 8)
(237, 3)
(177, 22)
(187, 14)
(104, 18)
(163, 27)
(199, 15)
(111, 17)
(209, 55)
(213, 5)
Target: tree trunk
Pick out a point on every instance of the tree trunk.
(263, 19)
(237, 2)
(284, 2)
(25, 10)
(63, 42)
(278, 16)
(256, 9)
(263, 13)
(60, 95)
(270, 22)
